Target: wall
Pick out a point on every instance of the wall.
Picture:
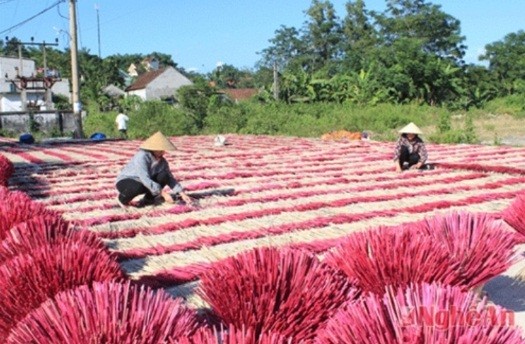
(8, 65)
(62, 122)
(10, 96)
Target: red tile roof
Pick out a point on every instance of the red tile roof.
(144, 79)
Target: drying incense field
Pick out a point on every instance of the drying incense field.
(263, 191)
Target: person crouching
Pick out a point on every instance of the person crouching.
(148, 173)
(410, 151)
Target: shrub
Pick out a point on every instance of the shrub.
(100, 123)
(146, 119)
(226, 119)
(153, 116)
(513, 105)
(447, 134)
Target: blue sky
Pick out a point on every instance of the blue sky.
(199, 34)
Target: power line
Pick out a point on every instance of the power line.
(31, 18)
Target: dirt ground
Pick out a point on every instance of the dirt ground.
(501, 129)
(489, 129)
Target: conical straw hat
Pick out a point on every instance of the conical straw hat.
(411, 128)
(158, 142)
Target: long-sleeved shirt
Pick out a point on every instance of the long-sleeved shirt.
(143, 166)
(415, 146)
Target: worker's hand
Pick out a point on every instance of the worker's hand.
(398, 168)
(167, 197)
(187, 199)
(416, 166)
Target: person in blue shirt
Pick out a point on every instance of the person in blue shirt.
(148, 173)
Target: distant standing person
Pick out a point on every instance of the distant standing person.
(410, 152)
(122, 124)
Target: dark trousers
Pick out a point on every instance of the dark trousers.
(131, 188)
(123, 134)
(407, 157)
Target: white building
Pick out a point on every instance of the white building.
(11, 96)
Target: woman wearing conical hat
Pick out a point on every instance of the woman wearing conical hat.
(410, 152)
(148, 173)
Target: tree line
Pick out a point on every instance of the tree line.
(412, 52)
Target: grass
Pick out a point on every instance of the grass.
(499, 123)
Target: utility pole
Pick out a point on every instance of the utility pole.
(275, 81)
(73, 46)
(48, 96)
(98, 29)
(46, 84)
(23, 80)
(23, 94)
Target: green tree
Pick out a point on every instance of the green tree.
(296, 87)
(417, 75)
(225, 117)
(287, 49)
(124, 61)
(10, 48)
(436, 31)
(263, 77)
(55, 59)
(478, 86)
(359, 35)
(165, 60)
(507, 61)
(361, 88)
(421, 52)
(195, 100)
(323, 34)
(228, 76)
(95, 74)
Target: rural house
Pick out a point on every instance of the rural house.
(21, 82)
(133, 70)
(148, 64)
(158, 84)
(26, 98)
